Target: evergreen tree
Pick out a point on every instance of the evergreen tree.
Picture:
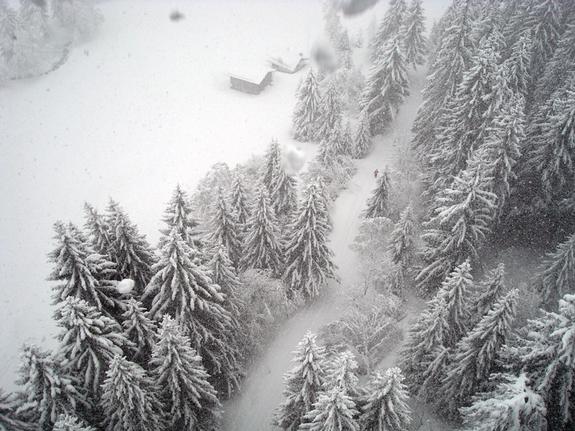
(140, 330)
(239, 202)
(389, 28)
(342, 375)
(518, 65)
(130, 251)
(98, 230)
(386, 407)
(88, 341)
(284, 194)
(386, 86)
(272, 161)
(402, 244)
(377, 204)
(307, 109)
(183, 289)
(475, 354)
(129, 399)
(458, 226)
(557, 275)
(547, 352)
(81, 272)
(224, 229)
(309, 260)
(67, 422)
(178, 215)
(489, 292)
(511, 405)
(224, 275)
(263, 248)
(446, 72)
(362, 138)
(330, 111)
(9, 420)
(413, 34)
(178, 371)
(333, 411)
(303, 383)
(47, 390)
(346, 142)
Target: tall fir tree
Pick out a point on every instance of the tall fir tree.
(386, 406)
(81, 272)
(389, 28)
(284, 193)
(341, 374)
(140, 330)
(309, 260)
(69, 422)
(414, 38)
(178, 215)
(557, 274)
(224, 275)
(362, 139)
(130, 251)
(307, 109)
(386, 86)
(130, 399)
(263, 246)
(240, 202)
(403, 239)
(303, 383)
(333, 411)
(330, 111)
(224, 229)
(98, 230)
(9, 403)
(272, 161)
(488, 292)
(475, 355)
(378, 203)
(177, 369)
(48, 390)
(88, 341)
(518, 65)
(182, 288)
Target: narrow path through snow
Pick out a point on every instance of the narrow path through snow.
(253, 409)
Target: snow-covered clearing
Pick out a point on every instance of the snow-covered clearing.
(254, 407)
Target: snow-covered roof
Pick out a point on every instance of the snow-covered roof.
(288, 58)
(253, 73)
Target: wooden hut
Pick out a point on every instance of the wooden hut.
(252, 81)
(288, 62)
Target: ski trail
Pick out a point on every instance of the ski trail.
(253, 408)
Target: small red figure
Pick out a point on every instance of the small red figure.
(375, 173)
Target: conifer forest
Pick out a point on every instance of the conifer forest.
(260, 215)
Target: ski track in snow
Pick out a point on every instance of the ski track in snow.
(253, 408)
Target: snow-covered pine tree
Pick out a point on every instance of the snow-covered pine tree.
(414, 38)
(284, 193)
(475, 354)
(130, 399)
(511, 405)
(140, 330)
(346, 146)
(446, 72)
(81, 272)
(547, 352)
(386, 406)
(341, 374)
(177, 370)
(403, 238)
(386, 86)
(225, 230)
(343, 51)
(98, 230)
(263, 246)
(557, 274)
(272, 160)
(303, 383)
(178, 215)
(88, 341)
(47, 389)
(333, 411)
(389, 28)
(362, 137)
(329, 111)
(224, 275)
(239, 201)
(377, 204)
(457, 227)
(9, 420)
(332, 23)
(518, 65)
(308, 258)
(69, 422)
(130, 251)
(183, 289)
(488, 292)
